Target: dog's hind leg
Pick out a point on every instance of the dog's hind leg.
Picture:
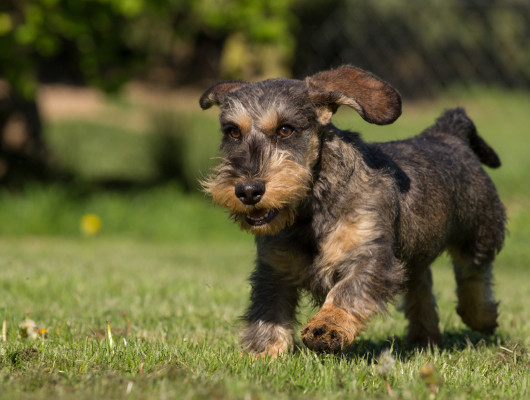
(476, 305)
(472, 262)
(420, 310)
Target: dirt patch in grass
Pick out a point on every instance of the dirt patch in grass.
(133, 108)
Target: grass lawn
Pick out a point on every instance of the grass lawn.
(183, 300)
(168, 272)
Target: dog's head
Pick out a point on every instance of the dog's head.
(272, 136)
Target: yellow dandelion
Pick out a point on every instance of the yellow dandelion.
(90, 224)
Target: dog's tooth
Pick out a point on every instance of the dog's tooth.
(262, 218)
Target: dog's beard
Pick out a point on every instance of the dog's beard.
(287, 183)
(279, 219)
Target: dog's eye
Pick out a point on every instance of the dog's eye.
(234, 132)
(285, 131)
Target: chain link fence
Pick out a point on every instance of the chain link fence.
(422, 47)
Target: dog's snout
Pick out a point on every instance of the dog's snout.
(250, 193)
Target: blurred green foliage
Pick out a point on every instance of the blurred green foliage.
(263, 21)
(106, 42)
(35, 30)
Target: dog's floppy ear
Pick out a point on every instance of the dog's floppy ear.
(216, 93)
(375, 100)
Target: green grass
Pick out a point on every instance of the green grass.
(183, 305)
(157, 214)
(177, 268)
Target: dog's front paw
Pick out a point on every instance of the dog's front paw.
(331, 330)
(274, 350)
(319, 336)
(262, 340)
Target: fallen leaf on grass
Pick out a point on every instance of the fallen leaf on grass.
(430, 377)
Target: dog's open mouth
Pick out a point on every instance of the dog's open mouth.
(260, 217)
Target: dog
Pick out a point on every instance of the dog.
(353, 223)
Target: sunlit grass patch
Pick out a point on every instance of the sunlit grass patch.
(183, 304)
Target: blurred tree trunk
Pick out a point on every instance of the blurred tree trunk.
(22, 150)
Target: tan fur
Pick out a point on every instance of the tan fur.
(338, 244)
(311, 155)
(331, 329)
(244, 122)
(324, 114)
(287, 181)
(280, 340)
(476, 306)
(350, 102)
(287, 184)
(345, 237)
(239, 115)
(221, 189)
(283, 344)
(268, 123)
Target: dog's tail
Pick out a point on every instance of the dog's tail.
(457, 123)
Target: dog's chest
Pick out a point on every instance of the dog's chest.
(307, 258)
(289, 255)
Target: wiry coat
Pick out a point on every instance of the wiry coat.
(351, 222)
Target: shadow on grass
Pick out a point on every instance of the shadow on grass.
(453, 341)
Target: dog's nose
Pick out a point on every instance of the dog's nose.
(250, 193)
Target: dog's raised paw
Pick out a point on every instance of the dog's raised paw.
(323, 334)
(323, 339)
